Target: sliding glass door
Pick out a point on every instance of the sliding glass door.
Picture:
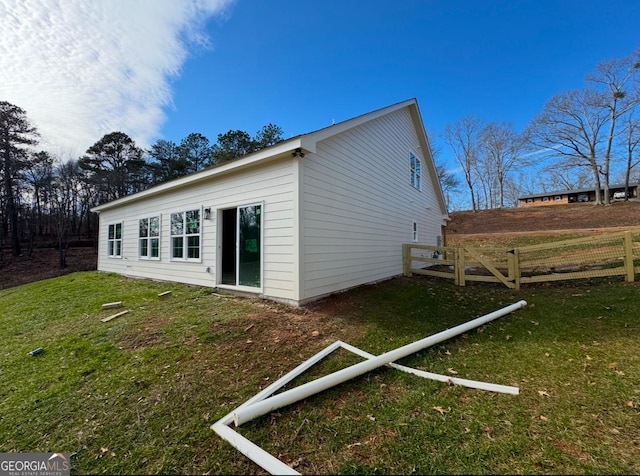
(241, 260)
(249, 246)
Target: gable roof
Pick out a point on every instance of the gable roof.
(307, 143)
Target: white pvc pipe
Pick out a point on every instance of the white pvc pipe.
(491, 387)
(252, 451)
(285, 379)
(249, 412)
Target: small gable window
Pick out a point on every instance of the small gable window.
(416, 171)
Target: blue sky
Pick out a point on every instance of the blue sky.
(161, 69)
(302, 65)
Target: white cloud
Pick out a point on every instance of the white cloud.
(84, 68)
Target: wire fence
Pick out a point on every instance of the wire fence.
(614, 254)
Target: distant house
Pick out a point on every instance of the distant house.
(575, 196)
(316, 214)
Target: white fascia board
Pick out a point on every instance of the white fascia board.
(276, 151)
(308, 143)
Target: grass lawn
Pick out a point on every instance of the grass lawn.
(137, 395)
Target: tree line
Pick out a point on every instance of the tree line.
(45, 199)
(586, 137)
(583, 135)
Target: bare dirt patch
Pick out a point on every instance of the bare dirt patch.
(314, 326)
(43, 263)
(550, 218)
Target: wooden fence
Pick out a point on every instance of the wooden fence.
(612, 254)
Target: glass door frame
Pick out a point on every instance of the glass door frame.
(237, 250)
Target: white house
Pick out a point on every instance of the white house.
(307, 217)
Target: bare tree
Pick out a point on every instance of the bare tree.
(447, 178)
(486, 178)
(64, 204)
(502, 148)
(512, 191)
(630, 138)
(39, 175)
(561, 177)
(620, 96)
(463, 138)
(448, 182)
(570, 127)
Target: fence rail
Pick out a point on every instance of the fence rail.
(613, 254)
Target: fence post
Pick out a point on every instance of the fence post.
(460, 266)
(406, 259)
(510, 274)
(456, 275)
(516, 267)
(628, 256)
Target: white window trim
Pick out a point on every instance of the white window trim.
(114, 240)
(415, 177)
(149, 238)
(185, 237)
(414, 230)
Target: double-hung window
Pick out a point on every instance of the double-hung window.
(149, 238)
(114, 240)
(416, 172)
(185, 235)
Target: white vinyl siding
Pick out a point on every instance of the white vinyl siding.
(359, 206)
(331, 220)
(269, 184)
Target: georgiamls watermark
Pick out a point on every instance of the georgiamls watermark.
(35, 464)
